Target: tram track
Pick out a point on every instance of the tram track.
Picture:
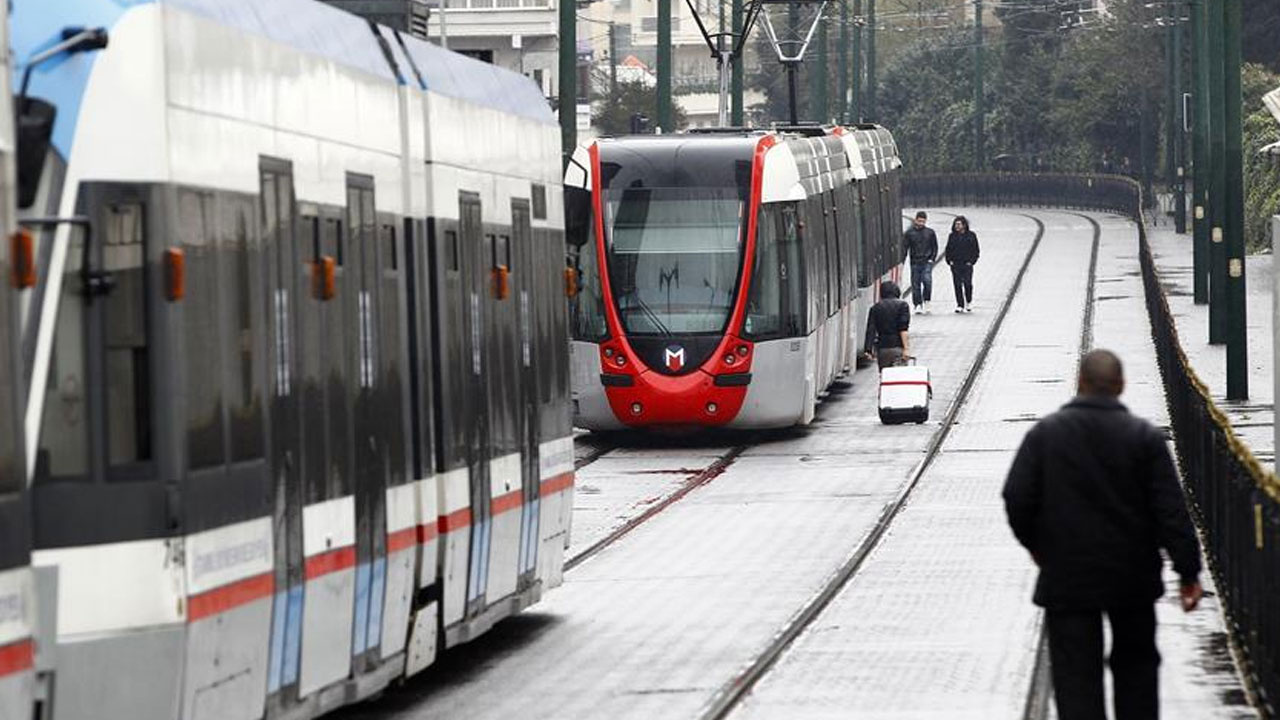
(712, 471)
(731, 693)
(706, 475)
(1040, 692)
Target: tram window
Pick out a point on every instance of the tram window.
(451, 249)
(539, 201)
(774, 296)
(206, 442)
(502, 251)
(586, 307)
(128, 405)
(246, 351)
(64, 434)
(388, 236)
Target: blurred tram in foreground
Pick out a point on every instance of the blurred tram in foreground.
(296, 362)
(17, 600)
(724, 278)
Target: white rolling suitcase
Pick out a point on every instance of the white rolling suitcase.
(905, 392)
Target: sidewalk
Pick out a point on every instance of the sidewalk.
(1197, 677)
(1253, 420)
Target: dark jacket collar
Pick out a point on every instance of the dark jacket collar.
(1097, 402)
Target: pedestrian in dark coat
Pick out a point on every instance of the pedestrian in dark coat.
(961, 255)
(1094, 496)
(920, 246)
(888, 324)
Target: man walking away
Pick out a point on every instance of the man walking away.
(888, 325)
(1093, 494)
(961, 255)
(920, 246)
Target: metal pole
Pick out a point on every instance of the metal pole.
(791, 91)
(1275, 327)
(1200, 152)
(1233, 208)
(735, 85)
(1217, 176)
(568, 89)
(979, 109)
(1180, 127)
(613, 62)
(842, 66)
(855, 89)
(819, 83)
(1169, 113)
(444, 25)
(664, 66)
(871, 62)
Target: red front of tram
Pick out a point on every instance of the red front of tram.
(669, 234)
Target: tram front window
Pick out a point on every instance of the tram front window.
(674, 256)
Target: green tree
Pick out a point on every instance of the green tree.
(612, 115)
(1261, 172)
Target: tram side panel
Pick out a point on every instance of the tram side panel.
(17, 592)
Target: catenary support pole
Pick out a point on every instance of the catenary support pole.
(870, 90)
(1275, 327)
(613, 63)
(1233, 206)
(664, 66)
(1216, 202)
(1200, 152)
(736, 110)
(1180, 125)
(568, 80)
(1169, 113)
(856, 113)
(735, 83)
(820, 79)
(842, 67)
(979, 103)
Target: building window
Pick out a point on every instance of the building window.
(481, 55)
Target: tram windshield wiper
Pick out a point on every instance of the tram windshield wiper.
(648, 312)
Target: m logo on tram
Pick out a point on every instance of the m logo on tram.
(674, 357)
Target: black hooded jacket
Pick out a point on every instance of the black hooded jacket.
(962, 248)
(1094, 495)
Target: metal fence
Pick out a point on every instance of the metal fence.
(1235, 500)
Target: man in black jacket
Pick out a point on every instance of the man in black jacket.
(1094, 495)
(920, 246)
(887, 326)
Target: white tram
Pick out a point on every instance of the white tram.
(296, 371)
(724, 278)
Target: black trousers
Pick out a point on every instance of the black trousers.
(962, 280)
(1075, 655)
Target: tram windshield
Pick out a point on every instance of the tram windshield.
(674, 256)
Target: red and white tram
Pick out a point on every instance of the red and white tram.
(724, 278)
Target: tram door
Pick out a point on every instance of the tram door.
(283, 266)
(370, 440)
(528, 284)
(476, 250)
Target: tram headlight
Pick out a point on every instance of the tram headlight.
(619, 361)
(608, 352)
(636, 408)
(743, 350)
(729, 359)
(712, 408)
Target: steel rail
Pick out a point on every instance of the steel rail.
(730, 694)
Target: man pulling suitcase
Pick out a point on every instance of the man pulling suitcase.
(904, 389)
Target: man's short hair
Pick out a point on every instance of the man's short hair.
(1102, 372)
(922, 215)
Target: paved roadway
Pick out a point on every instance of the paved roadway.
(936, 622)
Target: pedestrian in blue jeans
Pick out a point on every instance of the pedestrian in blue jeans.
(920, 246)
